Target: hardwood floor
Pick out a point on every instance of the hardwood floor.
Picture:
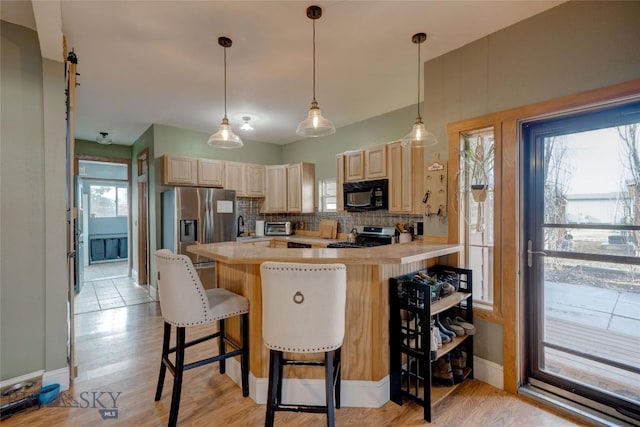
(118, 351)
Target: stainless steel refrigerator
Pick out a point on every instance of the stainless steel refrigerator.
(193, 215)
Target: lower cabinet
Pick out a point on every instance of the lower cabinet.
(431, 334)
(108, 248)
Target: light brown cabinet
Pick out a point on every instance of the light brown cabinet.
(246, 178)
(361, 165)
(180, 171)
(289, 188)
(339, 182)
(210, 173)
(375, 162)
(406, 174)
(191, 171)
(254, 180)
(354, 166)
(275, 197)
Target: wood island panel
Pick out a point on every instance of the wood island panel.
(365, 351)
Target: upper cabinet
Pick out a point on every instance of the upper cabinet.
(361, 165)
(210, 173)
(354, 166)
(375, 162)
(247, 179)
(406, 175)
(275, 197)
(301, 187)
(190, 171)
(180, 171)
(339, 182)
(290, 188)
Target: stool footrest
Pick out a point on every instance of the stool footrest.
(316, 409)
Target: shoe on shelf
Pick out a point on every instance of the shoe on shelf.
(442, 372)
(459, 330)
(444, 338)
(469, 329)
(458, 363)
(447, 289)
(444, 329)
(435, 344)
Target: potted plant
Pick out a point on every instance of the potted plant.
(479, 160)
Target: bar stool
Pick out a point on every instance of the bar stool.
(303, 311)
(184, 303)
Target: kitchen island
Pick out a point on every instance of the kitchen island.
(365, 351)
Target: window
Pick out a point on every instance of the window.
(327, 193)
(476, 182)
(107, 200)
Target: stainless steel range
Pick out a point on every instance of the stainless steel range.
(367, 236)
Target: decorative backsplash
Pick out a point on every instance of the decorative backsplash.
(249, 208)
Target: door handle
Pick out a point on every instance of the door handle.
(531, 252)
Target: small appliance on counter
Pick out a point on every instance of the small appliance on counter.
(278, 228)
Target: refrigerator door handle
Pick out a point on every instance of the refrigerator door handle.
(208, 217)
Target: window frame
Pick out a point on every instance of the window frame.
(323, 195)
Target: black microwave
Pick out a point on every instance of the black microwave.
(366, 195)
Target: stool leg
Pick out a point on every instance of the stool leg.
(279, 377)
(244, 358)
(165, 353)
(337, 374)
(221, 345)
(177, 380)
(328, 381)
(274, 362)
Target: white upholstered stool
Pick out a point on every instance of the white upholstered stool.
(184, 303)
(303, 311)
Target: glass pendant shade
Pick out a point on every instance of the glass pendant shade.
(315, 124)
(224, 137)
(419, 136)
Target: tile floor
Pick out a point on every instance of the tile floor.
(108, 286)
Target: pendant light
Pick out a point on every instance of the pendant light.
(419, 136)
(224, 137)
(315, 124)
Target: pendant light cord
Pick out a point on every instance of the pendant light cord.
(314, 59)
(419, 80)
(225, 82)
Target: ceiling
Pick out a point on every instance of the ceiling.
(145, 62)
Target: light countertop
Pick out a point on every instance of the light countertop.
(242, 253)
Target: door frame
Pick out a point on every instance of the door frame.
(509, 244)
(143, 217)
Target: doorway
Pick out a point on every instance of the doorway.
(581, 234)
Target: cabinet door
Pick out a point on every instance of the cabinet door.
(395, 157)
(339, 182)
(254, 180)
(375, 162)
(354, 166)
(234, 177)
(210, 173)
(275, 197)
(294, 188)
(180, 171)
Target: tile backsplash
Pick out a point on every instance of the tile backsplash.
(249, 208)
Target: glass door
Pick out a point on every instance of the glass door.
(582, 231)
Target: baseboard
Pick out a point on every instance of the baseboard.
(134, 275)
(21, 378)
(354, 394)
(58, 376)
(488, 372)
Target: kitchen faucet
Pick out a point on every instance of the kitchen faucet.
(240, 225)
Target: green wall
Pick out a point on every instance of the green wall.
(378, 130)
(32, 207)
(572, 48)
(92, 148)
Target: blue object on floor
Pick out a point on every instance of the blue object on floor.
(49, 392)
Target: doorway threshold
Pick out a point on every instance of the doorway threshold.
(573, 407)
